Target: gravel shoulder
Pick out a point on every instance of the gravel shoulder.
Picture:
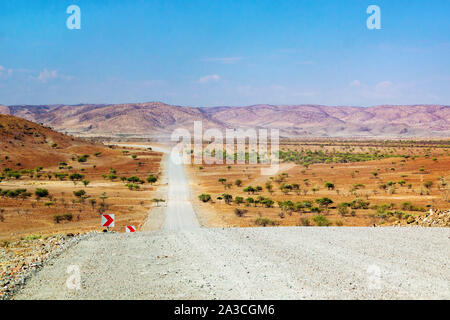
(21, 259)
(254, 263)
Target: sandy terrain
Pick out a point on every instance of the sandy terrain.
(351, 181)
(22, 217)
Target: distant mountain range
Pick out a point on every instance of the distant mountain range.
(159, 119)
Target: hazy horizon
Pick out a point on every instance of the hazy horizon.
(227, 106)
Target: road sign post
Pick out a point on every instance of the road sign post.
(108, 220)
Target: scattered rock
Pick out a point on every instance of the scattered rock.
(434, 218)
(21, 258)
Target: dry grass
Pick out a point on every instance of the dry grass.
(351, 181)
(33, 216)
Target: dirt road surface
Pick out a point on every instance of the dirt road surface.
(185, 261)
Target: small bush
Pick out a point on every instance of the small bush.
(240, 212)
(79, 193)
(204, 197)
(321, 221)
(40, 193)
(305, 222)
(410, 207)
(83, 158)
(339, 223)
(62, 217)
(238, 200)
(151, 179)
(264, 222)
(132, 186)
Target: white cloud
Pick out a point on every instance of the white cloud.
(383, 86)
(209, 78)
(355, 83)
(225, 60)
(382, 90)
(5, 72)
(46, 75)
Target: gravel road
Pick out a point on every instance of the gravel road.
(185, 261)
(179, 212)
(254, 263)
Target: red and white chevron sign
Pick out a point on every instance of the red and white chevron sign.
(108, 220)
(130, 229)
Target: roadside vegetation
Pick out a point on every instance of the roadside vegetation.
(66, 195)
(333, 183)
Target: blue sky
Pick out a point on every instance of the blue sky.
(213, 53)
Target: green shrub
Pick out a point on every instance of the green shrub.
(305, 222)
(40, 193)
(79, 193)
(264, 222)
(133, 186)
(410, 207)
(76, 177)
(321, 221)
(62, 217)
(238, 200)
(83, 158)
(204, 197)
(151, 179)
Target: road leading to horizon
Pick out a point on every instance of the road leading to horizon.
(179, 213)
(184, 261)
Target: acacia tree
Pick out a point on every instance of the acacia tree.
(79, 193)
(158, 201)
(204, 197)
(329, 185)
(250, 189)
(74, 177)
(151, 179)
(227, 197)
(324, 202)
(238, 200)
(40, 193)
(285, 188)
(268, 203)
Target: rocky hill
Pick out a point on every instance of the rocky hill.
(159, 119)
(24, 144)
